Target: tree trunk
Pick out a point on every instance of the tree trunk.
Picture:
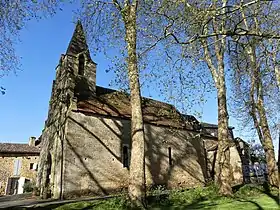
(223, 155)
(267, 143)
(267, 140)
(136, 188)
(277, 73)
(222, 165)
(253, 108)
(265, 135)
(223, 160)
(279, 169)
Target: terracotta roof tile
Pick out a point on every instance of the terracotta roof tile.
(116, 103)
(18, 148)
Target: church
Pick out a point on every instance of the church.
(85, 144)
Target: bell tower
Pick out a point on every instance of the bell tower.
(74, 81)
(75, 75)
(82, 66)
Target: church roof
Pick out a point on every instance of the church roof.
(18, 148)
(117, 104)
(214, 126)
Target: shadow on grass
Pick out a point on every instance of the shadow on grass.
(267, 190)
(204, 203)
(264, 189)
(184, 200)
(199, 205)
(259, 207)
(163, 202)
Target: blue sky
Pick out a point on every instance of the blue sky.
(24, 107)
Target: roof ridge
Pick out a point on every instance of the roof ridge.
(142, 97)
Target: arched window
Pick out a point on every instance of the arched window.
(81, 70)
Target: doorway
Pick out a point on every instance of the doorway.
(12, 186)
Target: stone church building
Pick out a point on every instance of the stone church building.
(86, 140)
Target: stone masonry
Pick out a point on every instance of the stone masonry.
(26, 156)
(86, 140)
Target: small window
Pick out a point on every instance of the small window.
(125, 157)
(31, 166)
(17, 166)
(81, 69)
(169, 156)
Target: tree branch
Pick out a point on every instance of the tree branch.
(117, 4)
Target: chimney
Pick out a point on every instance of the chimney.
(31, 141)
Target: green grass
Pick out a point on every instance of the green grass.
(110, 204)
(263, 202)
(247, 197)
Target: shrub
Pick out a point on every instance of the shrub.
(28, 187)
(113, 203)
(158, 195)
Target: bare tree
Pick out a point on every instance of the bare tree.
(13, 17)
(212, 26)
(254, 74)
(197, 28)
(122, 18)
(252, 95)
(214, 55)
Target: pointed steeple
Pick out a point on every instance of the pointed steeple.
(78, 42)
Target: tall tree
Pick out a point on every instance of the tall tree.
(212, 25)
(193, 28)
(253, 86)
(121, 18)
(251, 95)
(255, 102)
(215, 58)
(136, 188)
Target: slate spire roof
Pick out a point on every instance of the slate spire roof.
(78, 42)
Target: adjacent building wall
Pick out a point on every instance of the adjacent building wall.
(235, 161)
(7, 169)
(236, 166)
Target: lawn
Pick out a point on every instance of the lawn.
(247, 197)
(262, 202)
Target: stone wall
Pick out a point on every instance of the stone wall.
(235, 161)
(67, 86)
(93, 156)
(53, 133)
(7, 169)
(236, 166)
